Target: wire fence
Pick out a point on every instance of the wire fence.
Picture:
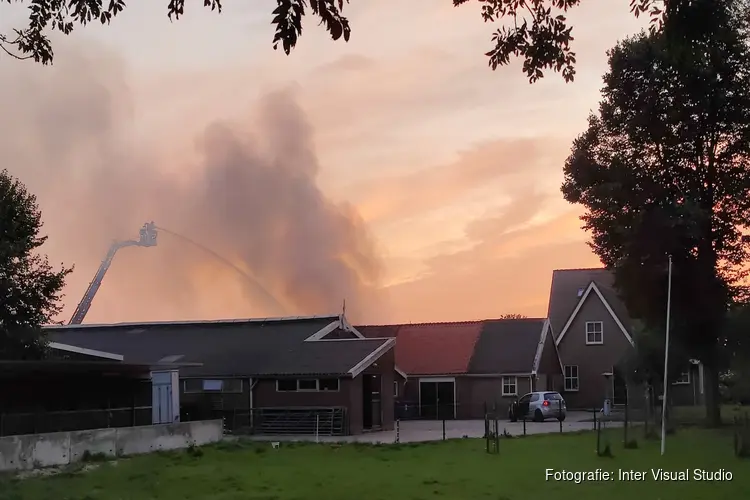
(12, 424)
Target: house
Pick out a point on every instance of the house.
(462, 369)
(594, 335)
(272, 375)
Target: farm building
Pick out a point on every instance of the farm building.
(273, 375)
(458, 370)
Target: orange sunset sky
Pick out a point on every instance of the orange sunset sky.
(396, 171)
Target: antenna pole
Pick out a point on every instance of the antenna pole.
(666, 362)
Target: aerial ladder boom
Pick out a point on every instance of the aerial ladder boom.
(147, 238)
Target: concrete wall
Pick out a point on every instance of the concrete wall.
(31, 451)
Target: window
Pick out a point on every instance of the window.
(509, 386)
(395, 388)
(231, 385)
(191, 385)
(328, 384)
(534, 398)
(594, 330)
(198, 385)
(212, 385)
(308, 385)
(286, 385)
(571, 378)
(683, 379)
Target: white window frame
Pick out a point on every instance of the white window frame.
(594, 332)
(683, 379)
(506, 381)
(296, 385)
(317, 385)
(567, 377)
(203, 389)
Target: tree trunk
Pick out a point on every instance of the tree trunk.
(713, 399)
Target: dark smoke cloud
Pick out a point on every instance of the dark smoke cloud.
(68, 132)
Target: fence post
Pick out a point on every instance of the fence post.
(317, 428)
(398, 430)
(625, 424)
(486, 427)
(559, 413)
(595, 427)
(497, 434)
(443, 429)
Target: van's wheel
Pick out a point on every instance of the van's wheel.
(538, 416)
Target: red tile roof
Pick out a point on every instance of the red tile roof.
(431, 348)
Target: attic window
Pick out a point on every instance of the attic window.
(580, 291)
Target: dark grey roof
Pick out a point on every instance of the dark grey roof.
(506, 346)
(564, 294)
(617, 305)
(239, 348)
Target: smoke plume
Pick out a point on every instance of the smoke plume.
(247, 192)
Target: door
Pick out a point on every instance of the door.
(376, 398)
(372, 407)
(523, 406)
(619, 388)
(437, 399)
(428, 399)
(446, 407)
(366, 402)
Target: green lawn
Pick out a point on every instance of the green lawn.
(456, 470)
(697, 414)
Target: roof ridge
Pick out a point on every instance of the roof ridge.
(580, 269)
(465, 322)
(426, 323)
(236, 321)
(535, 318)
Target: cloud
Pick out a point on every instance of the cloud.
(504, 272)
(247, 191)
(509, 162)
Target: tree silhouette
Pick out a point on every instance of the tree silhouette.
(664, 169)
(29, 288)
(512, 316)
(536, 31)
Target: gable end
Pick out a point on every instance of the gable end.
(593, 288)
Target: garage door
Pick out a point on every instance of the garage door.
(437, 398)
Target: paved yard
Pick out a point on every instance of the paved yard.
(412, 431)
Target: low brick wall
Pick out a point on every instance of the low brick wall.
(32, 451)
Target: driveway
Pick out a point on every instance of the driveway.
(413, 431)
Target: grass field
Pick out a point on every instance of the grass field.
(457, 470)
(697, 414)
